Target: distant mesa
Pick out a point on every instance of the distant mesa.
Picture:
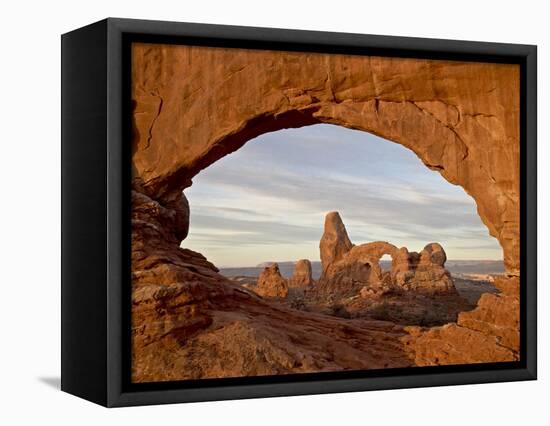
(265, 264)
(457, 268)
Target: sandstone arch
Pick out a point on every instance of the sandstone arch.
(348, 268)
(194, 105)
(369, 253)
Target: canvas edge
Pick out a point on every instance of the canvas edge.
(114, 389)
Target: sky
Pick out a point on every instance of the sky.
(267, 201)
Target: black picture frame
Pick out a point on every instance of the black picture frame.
(95, 284)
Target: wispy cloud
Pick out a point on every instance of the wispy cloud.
(269, 199)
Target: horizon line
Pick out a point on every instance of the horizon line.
(319, 261)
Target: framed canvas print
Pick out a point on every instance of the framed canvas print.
(252, 212)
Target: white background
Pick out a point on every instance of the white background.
(30, 193)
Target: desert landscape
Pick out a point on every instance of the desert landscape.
(353, 309)
(353, 283)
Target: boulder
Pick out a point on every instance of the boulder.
(302, 276)
(271, 283)
(433, 254)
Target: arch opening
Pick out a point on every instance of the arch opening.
(319, 114)
(265, 203)
(386, 262)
